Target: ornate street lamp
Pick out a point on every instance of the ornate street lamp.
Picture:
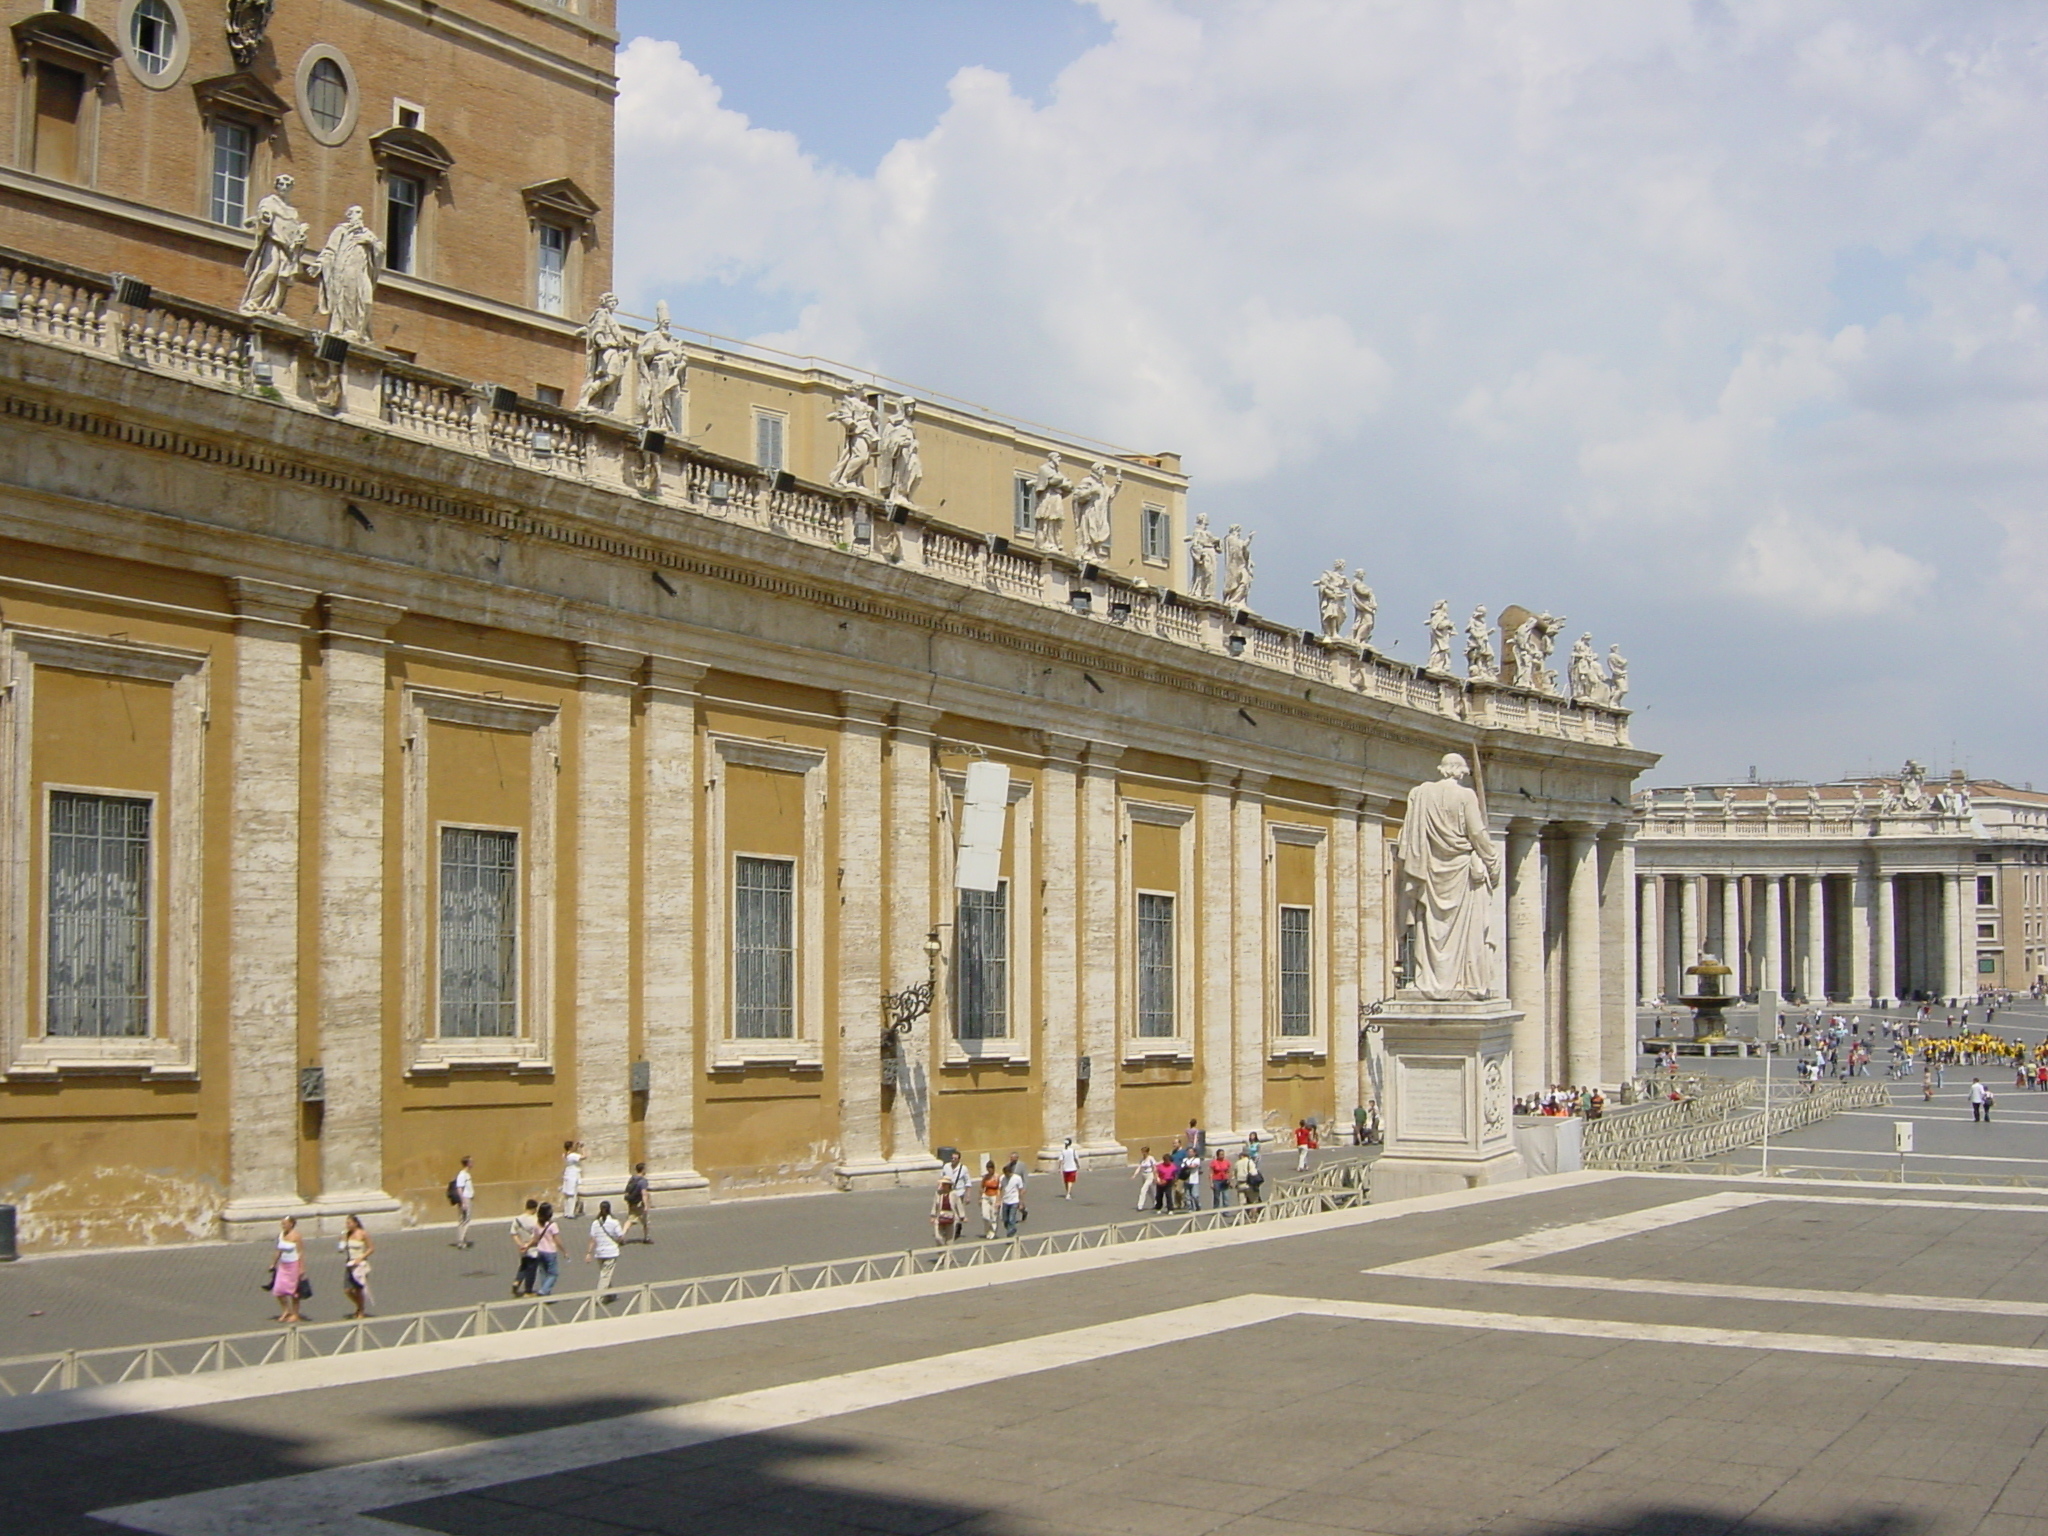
(902, 1010)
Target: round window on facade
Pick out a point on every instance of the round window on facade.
(327, 94)
(153, 38)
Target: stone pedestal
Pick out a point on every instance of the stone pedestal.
(1450, 1072)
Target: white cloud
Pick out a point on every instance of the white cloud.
(1548, 287)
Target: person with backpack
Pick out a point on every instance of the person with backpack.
(525, 1228)
(461, 1192)
(1247, 1177)
(639, 1202)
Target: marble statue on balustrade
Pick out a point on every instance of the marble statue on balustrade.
(245, 24)
(1589, 682)
(1238, 569)
(1202, 548)
(1691, 801)
(662, 366)
(1332, 588)
(606, 351)
(1770, 801)
(280, 247)
(855, 415)
(347, 270)
(1449, 870)
(1480, 665)
(1051, 494)
(1529, 645)
(1365, 609)
(1617, 676)
(901, 469)
(1093, 499)
(1441, 632)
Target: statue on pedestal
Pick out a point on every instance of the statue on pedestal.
(1589, 683)
(1441, 629)
(347, 269)
(1202, 548)
(1331, 590)
(606, 348)
(1365, 610)
(662, 362)
(1617, 676)
(1051, 490)
(902, 469)
(856, 418)
(1237, 566)
(1449, 868)
(1093, 498)
(1479, 660)
(280, 245)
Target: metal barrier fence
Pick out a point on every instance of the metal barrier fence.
(1335, 1186)
(1706, 1140)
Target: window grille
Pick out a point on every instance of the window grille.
(764, 949)
(98, 963)
(479, 933)
(551, 296)
(981, 964)
(1156, 999)
(153, 31)
(1296, 1011)
(1157, 533)
(233, 146)
(326, 94)
(402, 197)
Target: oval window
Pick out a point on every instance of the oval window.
(153, 33)
(327, 95)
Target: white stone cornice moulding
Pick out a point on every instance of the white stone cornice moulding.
(425, 1049)
(171, 1049)
(440, 18)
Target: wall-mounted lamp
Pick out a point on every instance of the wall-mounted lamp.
(261, 373)
(1119, 610)
(652, 441)
(663, 582)
(132, 291)
(502, 399)
(10, 305)
(542, 442)
(720, 493)
(332, 349)
(1234, 644)
(359, 517)
(1081, 600)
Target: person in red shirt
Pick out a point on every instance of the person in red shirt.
(1304, 1138)
(1219, 1180)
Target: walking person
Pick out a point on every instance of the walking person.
(461, 1192)
(572, 1179)
(1143, 1174)
(525, 1228)
(1304, 1138)
(356, 1249)
(1219, 1179)
(1247, 1177)
(605, 1236)
(946, 1218)
(547, 1250)
(991, 1198)
(1980, 1100)
(1013, 1196)
(288, 1277)
(1070, 1169)
(963, 1188)
(640, 1202)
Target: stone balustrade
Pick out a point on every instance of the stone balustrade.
(70, 308)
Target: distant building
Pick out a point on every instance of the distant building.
(1859, 890)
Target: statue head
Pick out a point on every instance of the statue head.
(661, 314)
(1452, 765)
(1479, 614)
(609, 301)
(283, 183)
(354, 217)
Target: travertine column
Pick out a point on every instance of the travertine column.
(1952, 908)
(1525, 956)
(857, 874)
(1213, 968)
(668, 923)
(1557, 870)
(1774, 932)
(263, 904)
(353, 740)
(1861, 988)
(1058, 977)
(1248, 934)
(912, 773)
(1649, 936)
(1582, 954)
(602, 1031)
(1617, 954)
(1816, 967)
(1102, 944)
(1884, 926)
(1343, 961)
(1689, 904)
(1376, 906)
(1731, 928)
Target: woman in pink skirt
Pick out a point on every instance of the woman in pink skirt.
(284, 1284)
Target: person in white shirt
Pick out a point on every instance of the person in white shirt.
(605, 1235)
(572, 1180)
(465, 1192)
(1070, 1169)
(1013, 1195)
(962, 1182)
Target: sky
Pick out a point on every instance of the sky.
(1715, 328)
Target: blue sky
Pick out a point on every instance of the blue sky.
(1718, 329)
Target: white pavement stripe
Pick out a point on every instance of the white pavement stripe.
(262, 1381)
(2003, 1112)
(335, 1502)
(1921, 1159)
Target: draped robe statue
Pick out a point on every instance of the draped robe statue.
(1449, 869)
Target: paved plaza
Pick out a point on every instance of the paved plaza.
(1588, 1353)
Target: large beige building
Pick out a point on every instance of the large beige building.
(402, 765)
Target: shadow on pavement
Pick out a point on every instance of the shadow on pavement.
(1678, 1520)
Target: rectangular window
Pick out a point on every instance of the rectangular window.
(1156, 991)
(1296, 1012)
(551, 293)
(233, 147)
(764, 949)
(1987, 890)
(1987, 930)
(981, 965)
(98, 980)
(1158, 532)
(402, 199)
(1987, 965)
(768, 440)
(1024, 516)
(60, 103)
(479, 933)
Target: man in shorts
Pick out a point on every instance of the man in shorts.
(639, 1203)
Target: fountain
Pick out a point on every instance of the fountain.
(1710, 998)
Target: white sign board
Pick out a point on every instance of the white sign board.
(978, 862)
(1902, 1136)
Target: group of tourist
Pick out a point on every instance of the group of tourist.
(1563, 1099)
(1002, 1204)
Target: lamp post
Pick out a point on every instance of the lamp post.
(901, 1010)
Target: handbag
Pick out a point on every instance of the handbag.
(305, 1287)
(270, 1279)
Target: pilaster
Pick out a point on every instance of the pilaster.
(1525, 980)
(602, 1034)
(1213, 976)
(1248, 958)
(1101, 946)
(1059, 1044)
(908, 870)
(1343, 961)
(857, 812)
(1582, 954)
(1617, 860)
